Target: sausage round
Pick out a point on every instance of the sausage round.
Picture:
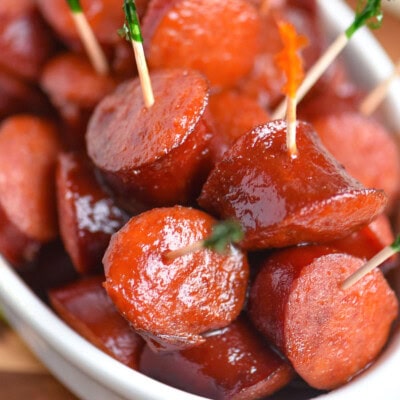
(158, 156)
(282, 200)
(329, 335)
(171, 303)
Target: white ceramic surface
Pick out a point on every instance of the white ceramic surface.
(92, 375)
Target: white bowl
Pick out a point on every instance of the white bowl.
(91, 374)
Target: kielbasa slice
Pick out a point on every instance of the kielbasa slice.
(158, 156)
(215, 37)
(234, 363)
(171, 303)
(25, 41)
(85, 306)
(87, 214)
(234, 114)
(365, 148)
(75, 102)
(329, 335)
(105, 17)
(282, 200)
(29, 147)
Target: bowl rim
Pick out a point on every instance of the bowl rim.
(23, 308)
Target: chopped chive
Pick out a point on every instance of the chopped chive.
(131, 29)
(223, 233)
(75, 6)
(369, 14)
(371, 264)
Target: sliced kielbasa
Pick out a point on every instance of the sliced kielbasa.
(87, 214)
(85, 306)
(282, 200)
(29, 147)
(158, 156)
(328, 334)
(215, 37)
(234, 363)
(171, 303)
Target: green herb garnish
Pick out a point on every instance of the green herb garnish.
(131, 29)
(75, 6)
(369, 14)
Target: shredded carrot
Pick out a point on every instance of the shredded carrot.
(289, 59)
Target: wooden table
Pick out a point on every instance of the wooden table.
(23, 377)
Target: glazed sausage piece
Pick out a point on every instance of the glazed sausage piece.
(25, 41)
(171, 303)
(104, 16)
(282, 200)
(215, 37)
(87, 214)
(74, 88)
(85, 306)
(28, 151)
(329, 335)
(365, 148)
(233, 114)
(234, 363)
(155, 157)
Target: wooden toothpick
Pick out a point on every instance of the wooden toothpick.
(376, 96)
(89, 40)
(131, 31)
(371, 15)
(371, 264)
(291, 63)
(223, 233)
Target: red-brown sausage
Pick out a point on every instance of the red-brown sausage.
(368, 241)
(104, 16)
(74, 88)
(234, 363)
(25, 41)
(234, 114)
(29, 147)
(159, 156)
(85, 306)
(282, 200)
(365, 148)
(215, 37)
(171, 303)
(329, 335)
(87, 214)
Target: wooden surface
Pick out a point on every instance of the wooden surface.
(23, 377)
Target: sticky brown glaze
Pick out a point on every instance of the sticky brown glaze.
(282, 200)
(234, 363)
(85, 306)
(87, 214)
(29, 147)
(74, 88)
(25, 41)
(233, 114)
(155, 157)
(329, 335)
(215, 37)
(104, 16)
(365, 148)
(171, 303)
